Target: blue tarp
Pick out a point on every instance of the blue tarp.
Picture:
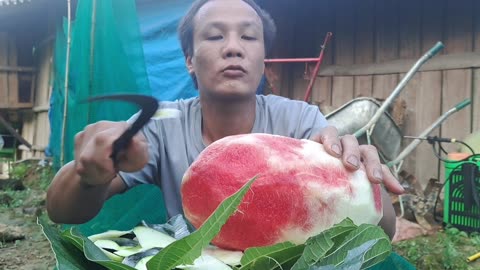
(164, 60)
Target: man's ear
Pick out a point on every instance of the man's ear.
(189, 65)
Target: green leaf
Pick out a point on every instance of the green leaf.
(186, 250)
(354, 259)
(91, 251)
(282, 255)
(67, 255)
(356, 238)
(318, 246)
(339, 231)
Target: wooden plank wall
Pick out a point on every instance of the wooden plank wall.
(3, 75)
(36, 123)
(383, 31)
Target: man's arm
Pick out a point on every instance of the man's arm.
(80, 188)
(71, 201)
(389, 219)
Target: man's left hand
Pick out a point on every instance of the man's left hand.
(352, 154)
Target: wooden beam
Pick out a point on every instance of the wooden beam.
(14, 132)
(17, 69)
(438, 63)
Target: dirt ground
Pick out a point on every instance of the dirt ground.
(22, 243)
(31, 253)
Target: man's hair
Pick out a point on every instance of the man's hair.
(186, 26)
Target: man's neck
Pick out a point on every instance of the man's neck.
(221, 119)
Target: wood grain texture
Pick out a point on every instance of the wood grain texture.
(426, 113)
(3, 75)
(339, 86)
(13, 95)
(323, 22)
(410, 29)
(432, 29)
(343, 87)
(364, 45)
(457, 86)
(459, 26)
(476, 100)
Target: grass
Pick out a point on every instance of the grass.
(36, 178)
(447, 249)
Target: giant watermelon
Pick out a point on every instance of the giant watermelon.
(301, 190)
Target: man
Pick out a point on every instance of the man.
(224, 42)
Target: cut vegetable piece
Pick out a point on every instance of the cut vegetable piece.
(112, 256)
(135, 259)
(142, 264)
(129, 251)
(206, 262)
(229, 257)
(107, 244)
(108, 235)
(150, 238)
(125, 242)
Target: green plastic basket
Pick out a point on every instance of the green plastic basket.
(455, 212)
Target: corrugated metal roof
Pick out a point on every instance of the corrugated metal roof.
(13, 2)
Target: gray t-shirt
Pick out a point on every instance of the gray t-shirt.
(174, 143)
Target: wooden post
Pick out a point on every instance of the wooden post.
(14, 132)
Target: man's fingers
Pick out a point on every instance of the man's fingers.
(351, 152)
(328, 136)
(372, 163)
(391, 183)
(377, 172)
(135, 156)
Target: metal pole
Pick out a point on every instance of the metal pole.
(434, 50)
(317, 67)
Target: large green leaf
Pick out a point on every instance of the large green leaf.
(67, 255)
(354, 259)
(363, 234)
(186, 250)
(91, 251)
(318, 246)
(281, 256)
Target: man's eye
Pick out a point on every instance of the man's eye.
(214, 37)
(249, 38)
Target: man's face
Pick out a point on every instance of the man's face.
(228, 54)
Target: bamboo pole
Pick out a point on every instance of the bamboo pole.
(92, 51)
(67, 69)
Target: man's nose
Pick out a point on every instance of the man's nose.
(233, 48)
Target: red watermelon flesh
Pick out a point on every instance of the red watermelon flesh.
(300, 191)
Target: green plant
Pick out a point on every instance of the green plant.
(18, 197)
(34, 174)
(19, 170)
(447, 249)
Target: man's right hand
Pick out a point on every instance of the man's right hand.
(80, 188)
(93, 147)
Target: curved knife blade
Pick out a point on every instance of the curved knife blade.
(148, 105)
